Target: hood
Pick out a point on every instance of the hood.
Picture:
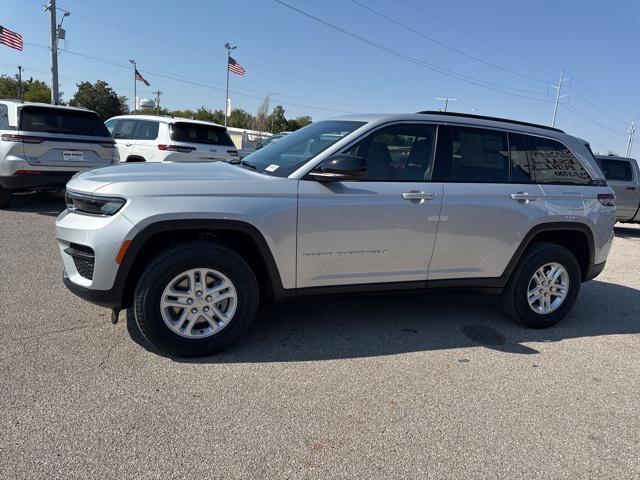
(163, 174)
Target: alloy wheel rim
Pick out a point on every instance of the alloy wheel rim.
(548, 288)
(198, 303)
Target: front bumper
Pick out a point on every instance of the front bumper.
(594, 270)
(111, 298)
(103, 236)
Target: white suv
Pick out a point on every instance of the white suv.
(42, 146)
(154, 138)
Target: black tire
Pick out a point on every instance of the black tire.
(181, 258)
(5, 197)
(514, 296)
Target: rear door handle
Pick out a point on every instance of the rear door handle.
(128, 144)
(629, 188)
(523, 197)
(418, 197)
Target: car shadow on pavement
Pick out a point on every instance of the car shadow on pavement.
(44, 203)
(330, 328)
(627, 232)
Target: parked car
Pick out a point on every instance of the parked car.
(271, 139)
(469, 202)
(154, 138)
(623, 175)
(42, 146)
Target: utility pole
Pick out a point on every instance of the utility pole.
(632, 133)
(53, 26)
(135, 85)
(157, 93)
(20, 82)
(227, 102)
(446, 102)
(558, 96)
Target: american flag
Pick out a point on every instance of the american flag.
(235, 67)
(11, 39)
(140, 78)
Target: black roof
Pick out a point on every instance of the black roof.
(495, 119)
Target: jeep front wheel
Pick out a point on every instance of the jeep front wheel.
(195, 299)
(544, 287)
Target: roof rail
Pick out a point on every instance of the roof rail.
(495, 119)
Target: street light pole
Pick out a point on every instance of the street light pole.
(229, 47)
(53, 26)
(446, 101)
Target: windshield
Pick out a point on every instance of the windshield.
(293, 150)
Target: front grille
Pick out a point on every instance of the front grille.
(83, 258)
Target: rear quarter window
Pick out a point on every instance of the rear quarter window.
(198, 133)
(554, 163)
(61, 121)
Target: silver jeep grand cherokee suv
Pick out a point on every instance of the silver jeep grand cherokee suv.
(359, 203)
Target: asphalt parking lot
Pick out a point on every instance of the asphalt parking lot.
(408, 386)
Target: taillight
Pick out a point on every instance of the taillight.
(175, 148)
(607, 199)
(10, 137)
(108, 144)
(233, 153)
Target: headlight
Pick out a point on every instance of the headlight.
(93, 205)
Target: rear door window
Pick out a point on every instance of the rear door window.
(200, 133)
(553, 162)
(147, 130)
(62, 121)
(616, 170)
(472, 155)
(125, 129)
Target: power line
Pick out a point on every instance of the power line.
(475, 37)
(578, 113)
(474, 81)
(596, 106)
(449, 47)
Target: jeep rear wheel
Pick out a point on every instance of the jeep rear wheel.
(195, 299)
(544, 287)
(5, 197)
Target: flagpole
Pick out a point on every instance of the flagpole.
(229, 47)
(135, 94)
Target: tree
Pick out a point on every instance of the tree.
(277, 120)
(240, 118)
(33, 90)
(101, 98)
(299, 122)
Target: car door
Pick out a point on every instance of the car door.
(620, 176)
(490, 202)
(145, 139)
(377, 230)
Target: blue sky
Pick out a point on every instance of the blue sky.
(312, 69)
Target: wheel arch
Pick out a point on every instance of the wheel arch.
(576, 237)
(240, 236)
(135, 159)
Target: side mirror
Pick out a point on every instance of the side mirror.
(340, 168)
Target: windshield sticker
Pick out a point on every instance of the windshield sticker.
(272, 168)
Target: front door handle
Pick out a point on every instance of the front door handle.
(418, 197)
(523, 197)
(629, 188)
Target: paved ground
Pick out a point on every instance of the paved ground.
(401, 387)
